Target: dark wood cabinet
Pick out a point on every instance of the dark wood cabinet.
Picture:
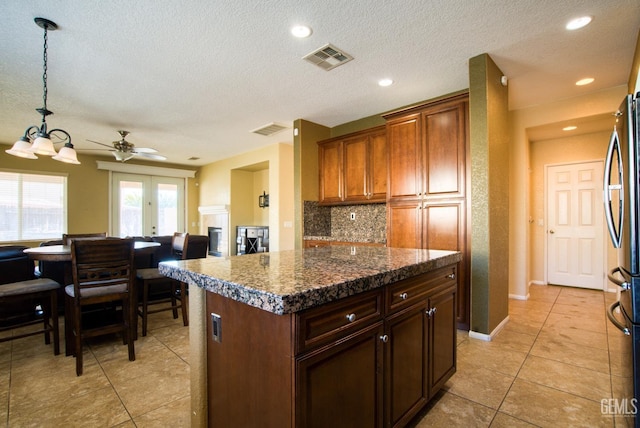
(370, 360)
(427, 185)
(330, 159)
(341, 385)
(353, 168)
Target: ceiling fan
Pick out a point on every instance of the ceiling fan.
(123, 150)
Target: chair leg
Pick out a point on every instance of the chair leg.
(54, 322)
(68, 326)
(184, 303)
(46, 319)
(129, 319)
(77, 326)
(145, 303)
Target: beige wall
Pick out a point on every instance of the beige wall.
(88, 190)
(488, 122)
(306, 168)
(239, 180)
(602, 102)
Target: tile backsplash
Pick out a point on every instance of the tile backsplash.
(369, 225)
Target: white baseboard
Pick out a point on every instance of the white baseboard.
(489, 337)
(538, 283)
(519, 296)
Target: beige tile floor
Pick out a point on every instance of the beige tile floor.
(549, 367)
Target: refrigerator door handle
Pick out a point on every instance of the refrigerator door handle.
(623, 328)
(614, 147)
(622, 284)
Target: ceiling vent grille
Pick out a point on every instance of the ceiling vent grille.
(328, 57)
(269, 129)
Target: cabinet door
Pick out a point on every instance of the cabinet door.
(377, 188)
(405, 157)
(442, 352)
(444, 229)
(355, 169)
(406, 361)
(444, 155)
(330, 159)
(341, 385)
(404, 224)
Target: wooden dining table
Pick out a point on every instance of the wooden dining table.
(62, 253)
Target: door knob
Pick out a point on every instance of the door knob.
(552, 231)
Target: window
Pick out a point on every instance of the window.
(33, 207)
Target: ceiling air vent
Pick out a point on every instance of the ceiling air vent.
(328, 57)
(269, 129)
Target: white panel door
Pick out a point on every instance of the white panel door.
(145, 205)
(575, 233)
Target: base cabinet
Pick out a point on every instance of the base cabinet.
(369, 360)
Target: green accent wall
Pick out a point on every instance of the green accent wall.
(489, 131)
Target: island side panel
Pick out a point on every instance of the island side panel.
(250, 371)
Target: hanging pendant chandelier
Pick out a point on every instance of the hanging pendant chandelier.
(37, 140)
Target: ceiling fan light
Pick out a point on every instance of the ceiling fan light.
(22, 149)
(122, 156)
(43, 146)
(67, 154)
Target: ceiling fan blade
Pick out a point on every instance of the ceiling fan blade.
(102, 144)
(145, 150)
(150, 156)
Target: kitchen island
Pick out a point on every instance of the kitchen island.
(328, 336)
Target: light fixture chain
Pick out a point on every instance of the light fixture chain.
(44, 73)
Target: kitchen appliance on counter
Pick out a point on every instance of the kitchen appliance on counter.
(252, 239)
(622, 211)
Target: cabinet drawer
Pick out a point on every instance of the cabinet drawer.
(408, 291)
(329, 322)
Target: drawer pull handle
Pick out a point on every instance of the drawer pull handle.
(351, 317)
(403, 296)
(384, 338)
(451, 276)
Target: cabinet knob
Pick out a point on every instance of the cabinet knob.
(451, 276)
(351, 317)
(384, 338)
(403, 296)
(431, 312)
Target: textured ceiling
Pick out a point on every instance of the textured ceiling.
(193, 78)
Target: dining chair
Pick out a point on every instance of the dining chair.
(151, 277)
(103, 272)
(21, 292)
(67, 237)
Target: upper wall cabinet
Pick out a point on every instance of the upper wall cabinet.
(427, 152)
(353, 168)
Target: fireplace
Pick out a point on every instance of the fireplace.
(215, 241)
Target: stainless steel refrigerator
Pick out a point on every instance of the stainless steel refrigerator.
(622, 211)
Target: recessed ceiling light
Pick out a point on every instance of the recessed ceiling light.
(585, 81)
(569, 128)
(385, 82)
(301, 31)
(576, 23)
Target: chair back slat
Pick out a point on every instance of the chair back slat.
(67, 238)
(179, 245)
(102, 263)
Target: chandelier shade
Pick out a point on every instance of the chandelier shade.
(36, 140)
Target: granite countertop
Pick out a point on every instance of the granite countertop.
(342, 239)
(290, 281)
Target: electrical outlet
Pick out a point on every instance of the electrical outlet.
(353, 216)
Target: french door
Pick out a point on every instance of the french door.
(144, 205)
